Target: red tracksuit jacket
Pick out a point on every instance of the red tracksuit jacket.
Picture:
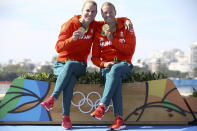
(121, 48)
(77, 50)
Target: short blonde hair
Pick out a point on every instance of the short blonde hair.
(108, 4)
(89, 1)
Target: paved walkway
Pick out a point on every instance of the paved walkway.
(93, 128)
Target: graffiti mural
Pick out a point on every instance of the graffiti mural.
(22, 101)
(151, 101)
(163, 95)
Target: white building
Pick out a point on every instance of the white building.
(181, 64)
(174, 59)
(155, 63)
(193, 56)
(43, 63)
(139, 62)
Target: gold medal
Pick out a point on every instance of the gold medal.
(105, 27)
(82, 30)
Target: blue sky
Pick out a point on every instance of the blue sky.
(29, 29)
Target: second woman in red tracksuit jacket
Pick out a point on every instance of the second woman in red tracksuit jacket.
(73, 48)
(112, 51)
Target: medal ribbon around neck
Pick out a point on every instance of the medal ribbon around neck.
(83, 25)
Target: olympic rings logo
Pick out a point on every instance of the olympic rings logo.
(84, 99)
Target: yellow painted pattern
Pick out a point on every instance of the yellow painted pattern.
(157, 88)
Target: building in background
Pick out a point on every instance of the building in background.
(173, 59)
(193, 57)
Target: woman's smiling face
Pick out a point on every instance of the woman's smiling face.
(108, 13)
(89, 12)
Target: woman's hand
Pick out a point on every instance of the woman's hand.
(108, 64)
(128, 25)
(109, 35)
(77, 34)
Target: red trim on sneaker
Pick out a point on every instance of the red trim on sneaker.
(118, 124)
(66, 122)
(99, 112)
(48, 104)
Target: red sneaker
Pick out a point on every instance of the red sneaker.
(118, 124)
(48, 104)
(66, 122)
(99, 112)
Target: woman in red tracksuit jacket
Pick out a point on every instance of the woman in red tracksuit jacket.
(112, 51)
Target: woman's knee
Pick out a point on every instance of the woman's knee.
(117, 68)
(77, 68)
(120, 69)
(70, 63)
(114, 72)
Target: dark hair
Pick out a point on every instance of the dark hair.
(108, 4)
(89, 1)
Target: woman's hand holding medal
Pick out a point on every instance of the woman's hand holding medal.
(78, 33)
(107, 32)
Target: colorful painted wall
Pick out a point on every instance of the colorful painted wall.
(22, 101)
(154, 102)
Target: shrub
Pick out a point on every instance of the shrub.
(194, 93)
(95, 78)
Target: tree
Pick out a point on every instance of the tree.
(194, 93)
(1, 67)
(163, 68)
(15, 68)
(141, 69)
(195, 72)
(8, 76)
(176, 74)
(10, 72)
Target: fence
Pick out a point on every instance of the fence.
(4, 86)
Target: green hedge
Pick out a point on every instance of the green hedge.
(95, 78)
(194, 93)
